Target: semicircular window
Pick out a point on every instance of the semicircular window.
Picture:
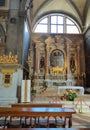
(57, 23)
(57, 58)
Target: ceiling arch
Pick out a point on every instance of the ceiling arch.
(78, 9)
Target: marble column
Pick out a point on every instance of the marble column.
(36, 59)
(78, 60)
(68, 62)
(46, 60)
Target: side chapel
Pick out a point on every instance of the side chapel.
(57, 60)
(43, 57)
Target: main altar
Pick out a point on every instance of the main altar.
(57, 60)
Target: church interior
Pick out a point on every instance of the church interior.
(45, 52)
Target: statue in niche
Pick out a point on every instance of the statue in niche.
(72, 64)
(42, 63)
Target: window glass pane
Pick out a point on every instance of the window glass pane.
(60, 29)
(68, 21)
(72, 29)
(45, 20)
(41, 28)
(60, 20)
(57, 23)
(53, 20)
(2, 2)
(53, 28)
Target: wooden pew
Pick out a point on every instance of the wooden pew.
(48, 129)
(36, 105)
(21, 105)
(7, 114)
(38, 112)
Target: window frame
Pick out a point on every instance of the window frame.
(64, 25)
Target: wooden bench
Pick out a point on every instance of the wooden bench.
(36, 105)
(48, 129)
(37, 112)
(43, 120)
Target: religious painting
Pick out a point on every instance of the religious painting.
(57, 59)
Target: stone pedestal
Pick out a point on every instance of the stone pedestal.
(10, 76)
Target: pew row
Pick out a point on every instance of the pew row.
(36, 105)
(36, 113)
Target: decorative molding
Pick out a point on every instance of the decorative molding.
(8, 71)
(7, 79)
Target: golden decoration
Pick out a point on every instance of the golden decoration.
(9, 59)
(57, 69)
(29, 58)
(10, 71)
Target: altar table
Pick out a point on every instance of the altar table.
(38, 112)
(80, 88)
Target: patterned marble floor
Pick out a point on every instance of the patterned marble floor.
(81, 120)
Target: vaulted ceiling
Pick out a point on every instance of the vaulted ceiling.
(78, 9)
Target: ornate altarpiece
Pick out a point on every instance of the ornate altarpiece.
(57, 60)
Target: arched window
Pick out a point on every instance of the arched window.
(57, 23)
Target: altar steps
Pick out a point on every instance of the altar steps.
(50, 95)
(80, 107)
(50, 91)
